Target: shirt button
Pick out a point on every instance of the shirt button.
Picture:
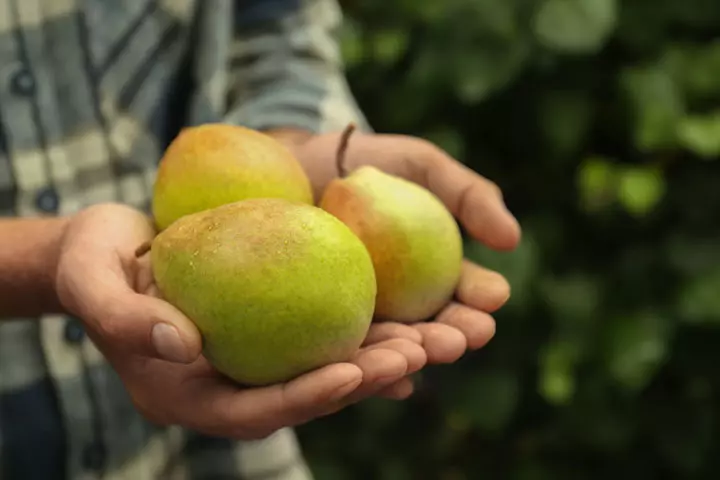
(74, 331)
(23, 82)
(47, 200)
(94, 456)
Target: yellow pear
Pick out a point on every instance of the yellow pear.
(276, 287)
(414, 241)
(213, 164)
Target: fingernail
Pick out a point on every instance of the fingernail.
(168, 344)
(345, 390)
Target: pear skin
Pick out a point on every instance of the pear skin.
(414, 241)
(277, 288)
(213, 164)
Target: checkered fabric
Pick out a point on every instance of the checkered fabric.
(91, 92)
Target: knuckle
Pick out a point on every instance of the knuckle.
(421, 157)
(431, 154)
(448, 313)
(493, 188)
(109, 325)
(502, 286)
(498, 279)
(426, 145)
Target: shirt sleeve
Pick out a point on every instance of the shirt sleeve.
(286, 70)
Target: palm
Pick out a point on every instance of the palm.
(388, 348)
(474, 200)
(101, 281)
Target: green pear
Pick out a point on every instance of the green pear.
(414, 241)
(213, 164)
(276, 287)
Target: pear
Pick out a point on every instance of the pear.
(276, 287)
(414, 241)
(213, 164)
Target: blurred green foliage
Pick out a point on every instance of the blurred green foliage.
(600, 120)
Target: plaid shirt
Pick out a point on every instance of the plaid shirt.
(91, 92)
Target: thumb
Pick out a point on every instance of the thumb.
(124, 320)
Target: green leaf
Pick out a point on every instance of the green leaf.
(389, 45)
(635, 348)
(492, 18)
(640, 189)
(428, 11)
(351, 46)
(565, 119)
(699, 299)
(484, 68)
(597, 183)
(657, 104)
(701, 134)
(556, 382)
(575, 26)
(696, 68)
(430, 70)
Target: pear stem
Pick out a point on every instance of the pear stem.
(143, 249)
(342, 149)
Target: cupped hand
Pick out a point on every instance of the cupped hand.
(466, 323)
(156, 350)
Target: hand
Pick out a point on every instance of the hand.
(156, 350)
(465, 323)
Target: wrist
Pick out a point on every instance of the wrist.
(51, 262)
(29, 256)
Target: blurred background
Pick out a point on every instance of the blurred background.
(600, 120)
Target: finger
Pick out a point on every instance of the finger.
(478, 327)
(414, 354)
(135, 323)
(257, 412)
(399, 390)
(442, 343)
(481, 288)
(381, 367)
(381, 331)
(476, 201)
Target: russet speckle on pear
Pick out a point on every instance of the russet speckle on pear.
(414, 241)
(213, 164)
(276, 287)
